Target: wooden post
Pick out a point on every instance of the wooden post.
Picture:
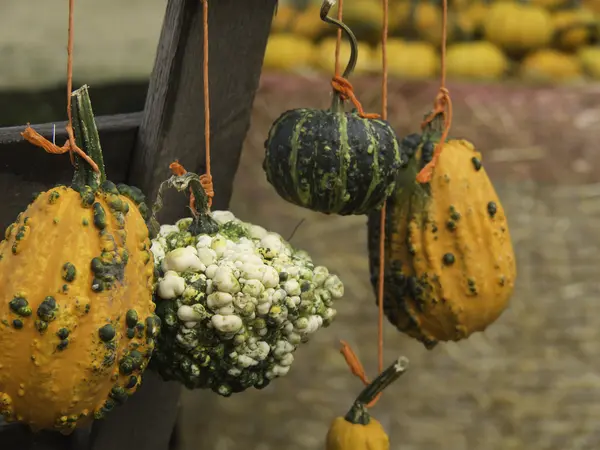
(172, 128)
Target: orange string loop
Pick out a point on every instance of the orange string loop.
(207, 185)
(346, 91)
(356, 367)
(442, 105)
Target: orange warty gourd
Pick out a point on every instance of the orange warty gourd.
(450, 267)
(357, 430)
(77, 322)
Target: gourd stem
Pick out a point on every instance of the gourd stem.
(336, 103)
(435, 128)
(358, 414)
(203, 222)
(88, 140)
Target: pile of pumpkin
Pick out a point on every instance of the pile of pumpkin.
(546, 41)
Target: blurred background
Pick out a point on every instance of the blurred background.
(523, 79)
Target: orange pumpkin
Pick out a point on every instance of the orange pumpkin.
(450, 266)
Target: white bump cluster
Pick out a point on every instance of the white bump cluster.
(245, 289)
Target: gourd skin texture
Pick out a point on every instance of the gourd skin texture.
(450, 266)
(76, 314)
(517, 27)
(344, 435)
(332, 162)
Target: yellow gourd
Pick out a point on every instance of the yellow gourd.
(357, 430)
(450, 264)
(518, 28)
(589, 58)
(287, 52)
(549, 65)
(479, 59)
(324, 56)
(574, 28)
(410, 59)
(427, 20)
(77, 322)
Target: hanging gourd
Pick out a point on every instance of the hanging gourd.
(333, 161)
(77, 322)
(357, 429)
(450, 267)
(235, 300)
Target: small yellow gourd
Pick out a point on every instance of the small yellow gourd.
(410, 59)
(574, 28)
(480, 60)
(589, 57)
(288, 53)
(357, 430)
(548, 65)
(517, 27)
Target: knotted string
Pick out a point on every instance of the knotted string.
(346, 92)
(33, 137)
(442, 105)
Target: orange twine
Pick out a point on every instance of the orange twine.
(442, 105)
(33, 137)
(346, 91)
(344, 87)
(206, 178)
(176, 168)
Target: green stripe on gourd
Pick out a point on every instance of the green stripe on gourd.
(333, 161)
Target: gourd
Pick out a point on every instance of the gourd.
(449, 262)
(574, 27)
(424, 18)
(548, 65)
(364, 18)
(357, 429)
(77, 322)
(478, 59)
(589, 57)
(332, 161)
(410, 59)
(287, 52)
(518, 27)
(235, 300)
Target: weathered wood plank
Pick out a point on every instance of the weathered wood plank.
(172, 128)
(26, 169)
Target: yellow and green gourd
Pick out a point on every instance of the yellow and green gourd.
(449, 262)
(77, 322)
(332, 161)
(357, 430)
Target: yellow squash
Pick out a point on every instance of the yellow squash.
(410, 59)
(518, 28)
(450, 265)
(553, 66)
(357, 430)
(479, 60)
(287, 52)
(574, 28)
(77, 322)
(589, 57)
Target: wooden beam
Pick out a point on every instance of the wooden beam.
(172, 128)
(26, 169)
